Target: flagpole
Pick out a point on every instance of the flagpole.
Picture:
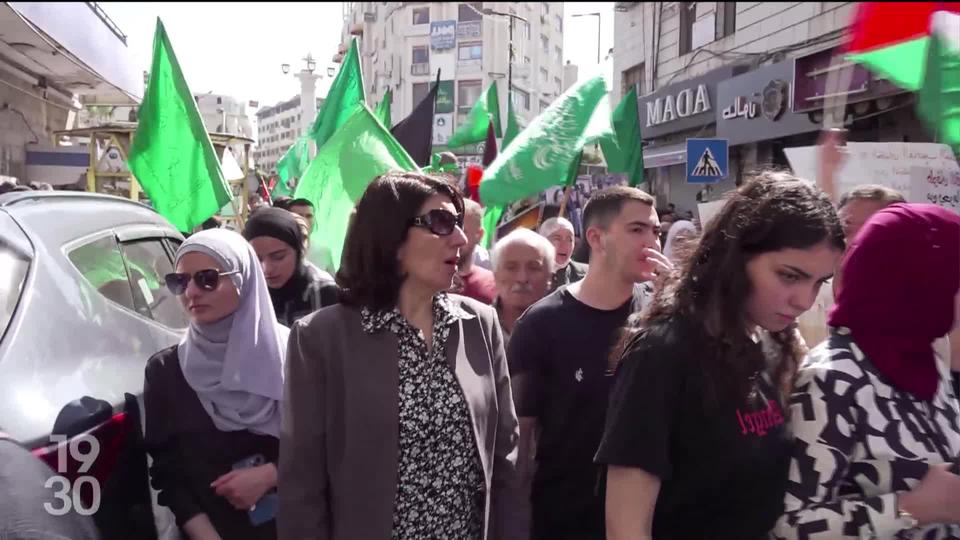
(563, 203)
(838, 81)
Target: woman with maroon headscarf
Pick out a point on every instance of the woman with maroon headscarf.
(874, 415)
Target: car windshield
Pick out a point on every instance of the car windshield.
(13, 272)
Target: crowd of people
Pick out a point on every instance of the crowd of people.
(662, 390)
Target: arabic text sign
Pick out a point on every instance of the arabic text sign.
(888, 164)
(443, 34)
(935, 186)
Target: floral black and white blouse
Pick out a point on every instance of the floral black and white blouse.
(440, 488)
(858, 442)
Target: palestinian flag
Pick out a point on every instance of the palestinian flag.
(915, 45)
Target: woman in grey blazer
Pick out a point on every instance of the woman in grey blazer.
(398, 420)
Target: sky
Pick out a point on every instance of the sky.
(236, 49)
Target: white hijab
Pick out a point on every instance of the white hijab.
(675, 229)
(235, 365)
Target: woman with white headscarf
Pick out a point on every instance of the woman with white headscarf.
(680, 232)
(213, 402)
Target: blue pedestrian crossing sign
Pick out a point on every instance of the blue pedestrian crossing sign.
(707, 161)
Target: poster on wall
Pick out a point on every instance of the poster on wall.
(444, 103)
(443, 34)
(442, 128)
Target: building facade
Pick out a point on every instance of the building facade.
(754, 73)
(278, 127)
(224, 114)
(54, 59)
(404, 44)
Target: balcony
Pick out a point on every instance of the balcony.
(420, 69)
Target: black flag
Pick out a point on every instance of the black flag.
(415, 132)
(490, 147)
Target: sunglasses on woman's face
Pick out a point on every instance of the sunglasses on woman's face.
(207, 280)
(439, 221)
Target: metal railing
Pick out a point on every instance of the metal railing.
(95, 7)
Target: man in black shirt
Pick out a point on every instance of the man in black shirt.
(559, 355)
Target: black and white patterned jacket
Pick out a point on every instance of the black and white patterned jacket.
(859, 441)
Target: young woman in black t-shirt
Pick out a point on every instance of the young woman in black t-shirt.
(695, 441)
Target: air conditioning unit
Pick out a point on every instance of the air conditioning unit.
(370, 17)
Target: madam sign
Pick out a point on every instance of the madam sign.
(683, 106)
(685, 103)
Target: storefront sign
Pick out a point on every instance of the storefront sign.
(683, 106)
(670, 108)
(810, 82)
(444, 103)
(755, 106)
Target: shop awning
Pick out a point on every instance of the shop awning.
(664, 156)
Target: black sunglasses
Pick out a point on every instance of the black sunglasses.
(205, 279)
(439, 221)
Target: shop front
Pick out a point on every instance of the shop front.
(686, 109)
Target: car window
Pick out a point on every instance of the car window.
(101, 264)
(148, 262)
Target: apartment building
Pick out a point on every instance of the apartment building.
(278, 127)
(404, 44)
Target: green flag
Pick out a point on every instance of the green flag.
(623, 150)
(491, 218)
(346, 90)
(281, 189)
(543, 154)
(383, 109)
(358, 152)
(294, 160)
(474, 128)
(938, 100)
(171, 154)
(513, 127)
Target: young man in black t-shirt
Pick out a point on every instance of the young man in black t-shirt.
(559, 355)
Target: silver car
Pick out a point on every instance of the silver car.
(82, 307)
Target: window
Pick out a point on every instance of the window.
(525, 30)
(421, 15)
(559, 23)
(544, 8)
(543, 105)
(688, 16)
(558, 83)
(465, 13)
(420, 91)
(526, 60)
(470, 51)
(558, 53)
(148, 261)
(544, 76)
(726, 19)
(545, 44)
(13, 267)
(421, 54)
(101, 265)
(521, 99)
(631, 78)
(467, 94)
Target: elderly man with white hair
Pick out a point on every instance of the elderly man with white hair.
(523, 262)
(559, 231)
